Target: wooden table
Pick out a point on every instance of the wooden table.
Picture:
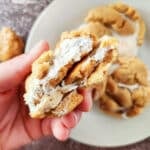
(21, 17)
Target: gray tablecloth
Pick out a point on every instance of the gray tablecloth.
(21, 17)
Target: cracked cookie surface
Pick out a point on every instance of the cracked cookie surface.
(121, 21)
(110, 17)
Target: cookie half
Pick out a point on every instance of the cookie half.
(51, 89)
(133, 15)
(127, 90)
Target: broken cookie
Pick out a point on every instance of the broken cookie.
(134, 15)
(110, 17)
(79, 60)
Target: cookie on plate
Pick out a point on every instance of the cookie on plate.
(133, 15)
(79, 60)
(127, 90)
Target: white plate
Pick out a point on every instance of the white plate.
(95, 128)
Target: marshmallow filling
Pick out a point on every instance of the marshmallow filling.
(69, 50)
(129, 87)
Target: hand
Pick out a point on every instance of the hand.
(16, 127)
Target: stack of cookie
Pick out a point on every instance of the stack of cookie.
(79, 60)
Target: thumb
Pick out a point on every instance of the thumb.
(14, 71)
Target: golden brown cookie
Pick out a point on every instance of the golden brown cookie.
(41, 65)
(127, 90)
(51, 89)
(110, 17)
(134, 15)
(132, 70)
(11, 44)
(121, 18)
